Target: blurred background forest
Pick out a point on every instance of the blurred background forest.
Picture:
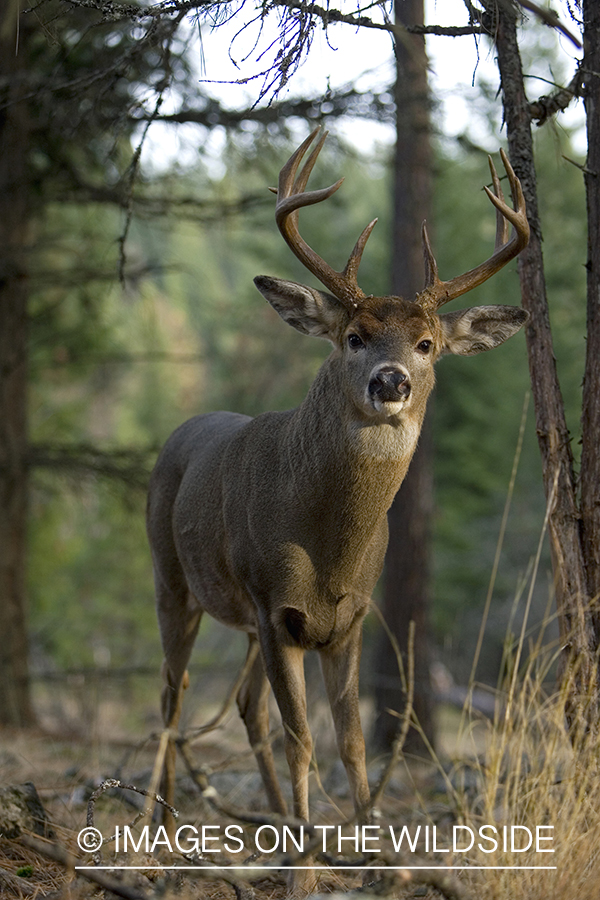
(143, 313)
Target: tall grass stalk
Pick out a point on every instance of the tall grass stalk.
(534, 772)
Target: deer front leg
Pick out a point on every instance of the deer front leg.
(252, 701)
(285, 669)
(340, 665)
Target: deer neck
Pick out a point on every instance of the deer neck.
(329, 422)
(345, 471)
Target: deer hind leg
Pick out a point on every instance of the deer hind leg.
(252, 701)
(179, 619)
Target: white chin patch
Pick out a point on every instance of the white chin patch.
(391, 408)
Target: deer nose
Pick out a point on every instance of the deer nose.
(389, 384)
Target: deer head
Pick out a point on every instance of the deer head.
(387, 345)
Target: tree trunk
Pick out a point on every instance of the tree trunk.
(575, 621)
(15, 705)
(590, 420)
(406, 578)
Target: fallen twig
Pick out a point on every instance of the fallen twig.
(446, 884)
(214, 723)
(210, 794)
(110, 783)
(243, 891)
(15, 883)
(63, 856)
(398, 745)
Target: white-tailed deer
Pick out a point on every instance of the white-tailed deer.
(277, 525)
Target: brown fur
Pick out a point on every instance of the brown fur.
(277, 526)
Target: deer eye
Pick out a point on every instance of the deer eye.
(424, 346)
(355, 342)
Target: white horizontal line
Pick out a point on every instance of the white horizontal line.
(312, 868)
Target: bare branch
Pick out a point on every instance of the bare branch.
(398, 745)
(15, 883)
(119, 12)
(110, 783)
(344, 101)
(448, 886)
(579, 166)
(210, 794)
(550, 104)
(62, 856)
(125, 359)
(214, 723)
(130, 465)
(549, 17)
(330, 16)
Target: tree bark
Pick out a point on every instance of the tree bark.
(15, 704)
(590, 420)
(406, 578)
(577, 632)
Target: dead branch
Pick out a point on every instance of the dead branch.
(446, 884)
(148, 206)
(395, 880)
(20, 886)
(126, 359)
(550, 18)
(579, 166)
(131, 179)
(110, 783)
(210, 794)
(128, 465)
(398, 744)
(342, 102)
(118, 12)
(214, 723)
(542, 109)
(236, 758)
(65, 858)
(329, 16)
(242, 889)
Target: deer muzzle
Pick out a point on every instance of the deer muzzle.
(390, 384)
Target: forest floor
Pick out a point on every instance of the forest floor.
(523, 774)
(89, 735)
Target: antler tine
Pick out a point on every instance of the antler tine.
(291, 197)
(353, 263)
(501, 222)
(302, 179)
(431, 269)
(437, 292)
(516, 215)
(290, 186)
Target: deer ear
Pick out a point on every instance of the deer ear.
(470, 331)
(304, 308)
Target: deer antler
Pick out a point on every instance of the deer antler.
(291, 196)
(437, 292)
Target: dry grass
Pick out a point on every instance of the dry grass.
(535, 774)
(523, 770)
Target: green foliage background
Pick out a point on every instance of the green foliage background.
(121, 366)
